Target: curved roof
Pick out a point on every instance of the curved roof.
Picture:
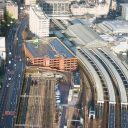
(118, 62)
(105, 75)
(90, 68)
(114, 72)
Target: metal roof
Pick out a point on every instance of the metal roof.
(118, 62)
(93, 73)
(105, 76)
(83, 35)
(116, 26)
(115, 74)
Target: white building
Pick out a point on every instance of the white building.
(29, 2)
(38, 22)
(12, 9)
(2, 48)
(82, 9)
(120, 47)
(125, 11)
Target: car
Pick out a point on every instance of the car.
(57, 101)
(7, 85)
(56, 87)
(9, 61)
(19, 75)
(57, 98)
(9, 78)
(10, 53)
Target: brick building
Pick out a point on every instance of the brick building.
(51, 54)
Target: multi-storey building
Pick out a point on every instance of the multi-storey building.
(38, 22)
(12, 9)
(52, 54)
(56, 7)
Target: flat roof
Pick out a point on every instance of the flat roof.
(116, 25)
(104, 75)
(51, 49)
(93, 73)
(114, 72)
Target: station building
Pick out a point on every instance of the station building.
(51, 53)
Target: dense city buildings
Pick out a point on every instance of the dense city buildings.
(64, 64)
(38, 22)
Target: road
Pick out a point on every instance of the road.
(10, 91)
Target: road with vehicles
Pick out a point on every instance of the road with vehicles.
(12, 86)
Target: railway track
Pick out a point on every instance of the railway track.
(47, 109)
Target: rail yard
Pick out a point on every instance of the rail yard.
(103, 84)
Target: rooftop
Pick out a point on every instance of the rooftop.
(51, 49)
(116, 25)
(84, 35)
(38, 11)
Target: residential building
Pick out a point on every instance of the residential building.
(12, 9)
(2, 48)
(125, 11)
(38, 22)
